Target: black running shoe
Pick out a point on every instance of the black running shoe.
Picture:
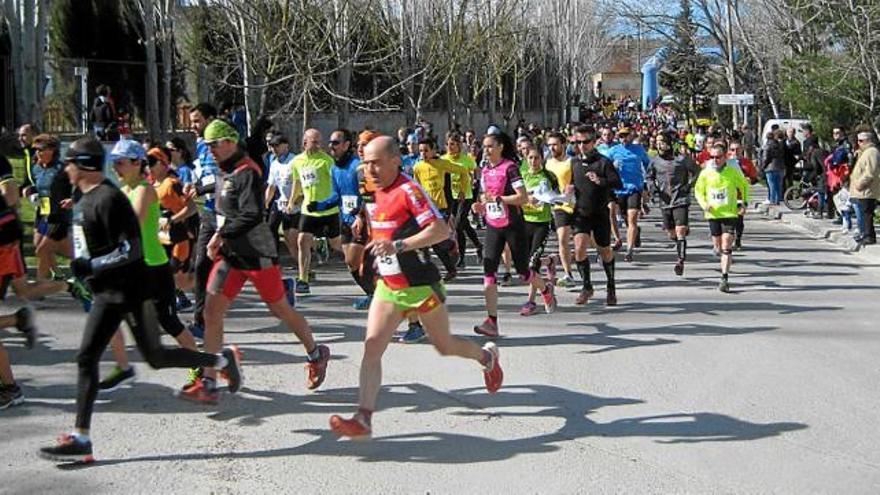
(24, 322)
(116, 378)
(233, 369)
(68, 449)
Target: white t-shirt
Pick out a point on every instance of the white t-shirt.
(281, 176)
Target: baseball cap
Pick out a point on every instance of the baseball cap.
(127, 148)
(624, 130)
(157, 156)
(87, 153)
(220, 130)
(494, 130)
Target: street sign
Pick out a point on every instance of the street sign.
(743, 99)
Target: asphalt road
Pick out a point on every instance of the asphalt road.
(770, 389)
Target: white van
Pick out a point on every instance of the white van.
(784, 124)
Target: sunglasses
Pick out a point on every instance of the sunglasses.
(334, 143)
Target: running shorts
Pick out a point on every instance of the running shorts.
(630, 201)
(562, 218)
(675, 217)
(348, 236)
(419, 299)
(229, 281)
(326, 226)
(599, 226)
(720, 226)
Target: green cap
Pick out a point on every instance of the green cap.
(219, 130)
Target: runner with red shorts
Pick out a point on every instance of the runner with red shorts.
(243, 249)
(404, 224)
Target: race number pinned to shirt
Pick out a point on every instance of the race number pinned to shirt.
(349, 203)
(718, 197)
(80, 247)
(495, 211)
(308, 177)
(45, 206)
(388, 265)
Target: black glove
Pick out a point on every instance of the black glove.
(312, 207)
(81, 268)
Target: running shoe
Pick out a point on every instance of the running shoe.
(363, 303)
(584, 297)
(549, 297)
(488, 328)
(80, 292)
(679, 268)
(193, 376)
(565, 281)
(290, 291)
(302, 287)
(200, 392)
(461, 263)
(450, 276)
(197, 330)
(322, 251)
(724, 286)
(528, 309)
(24, 323)
(738, 244)
(628, 257)
(611, 296)
(318, 369)
(415, 333)
(69, 448)
(355, 428)
(182, 302)
(232, 371)
(506, 280)
(618, 244)
(493, 375)
(10, 395)
(116, 378)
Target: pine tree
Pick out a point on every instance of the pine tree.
(686, 71)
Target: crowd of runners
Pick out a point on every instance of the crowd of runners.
(174, 223)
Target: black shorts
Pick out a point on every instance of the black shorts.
(514, 235)
(348, 236)
(675, 217)
(723, 226)
(536, 236)
(287, 221)
(326, 226)
(599, 226)
(630, 201)
(562, 218)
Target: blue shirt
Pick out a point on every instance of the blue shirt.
(630, 161)
(206, 171)
(409, 162)
(185, 173)
(346, 191)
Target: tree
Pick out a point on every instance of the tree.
(686, 72)
(26, 23)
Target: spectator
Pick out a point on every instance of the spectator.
(793, 152)
(103, 115)
(864, 186)
(774, 166)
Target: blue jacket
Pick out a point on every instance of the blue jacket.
(346, 193)
(207, 172)
(631, 160)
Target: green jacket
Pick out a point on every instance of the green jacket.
(721, 190)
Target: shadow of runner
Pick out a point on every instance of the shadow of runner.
(521, 401)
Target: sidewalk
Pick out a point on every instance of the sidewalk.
(821, 228)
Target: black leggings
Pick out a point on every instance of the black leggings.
(463, 227)
(513, 235)
(536, 236)
(107, 312)
(162, 292)
(740, 226)
(203, 264)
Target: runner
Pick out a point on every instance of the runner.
(47, 188)
(536, 213)
(723, 194)
(434, 175)
(129, 162)
(455, 154)
(674, 176)
(244, 250)
(559, 164)
(409, 283)
(108, 253)
(747, 167)
(594, 178)
(630, 160)
(207, 177)
(312, 173)
(503, 194)
(283, 212)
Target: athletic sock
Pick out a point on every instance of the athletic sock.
(314, 354)
(494, 318)
(609, 271)
(222, 362)
(723, 276)
(681, 248)
(584, 270)
(366, 415)
(81, 437)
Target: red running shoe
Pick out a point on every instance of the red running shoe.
(318, 369)
(354, 428)
(493, 375)
(197, 392)
(489, 328)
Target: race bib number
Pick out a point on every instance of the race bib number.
(718, 197)
(388, 265)
(495, 211)
(45, 206)
(80, 247)
(221, 221)
(308, 177)
(209, 180)
(164, 235)
(349, 203)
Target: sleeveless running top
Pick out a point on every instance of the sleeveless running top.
(154, 253)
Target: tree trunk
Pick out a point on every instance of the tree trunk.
(29, 61)
(39, 46)
(544, 116)
(167, 66)
(152, 83)
(343, 75)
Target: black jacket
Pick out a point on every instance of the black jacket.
(591, 198)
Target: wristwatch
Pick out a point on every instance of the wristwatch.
(398, 245)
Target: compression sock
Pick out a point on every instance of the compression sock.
(681, 245)
(584, 270)
(609, 271)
